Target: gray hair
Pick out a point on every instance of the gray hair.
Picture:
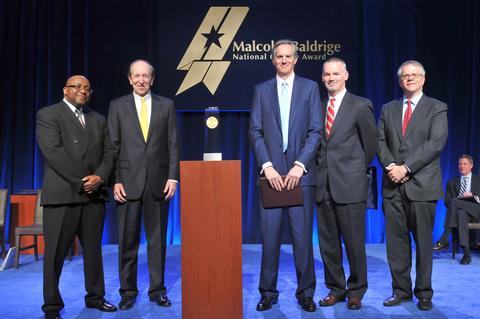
(285, 41)
(422, 69)
(337, 60)
(152, 70)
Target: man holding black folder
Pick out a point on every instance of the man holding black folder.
(347, 147)
(285, 134)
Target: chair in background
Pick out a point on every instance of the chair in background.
(3, 213)
(34, 230)
(455, 237)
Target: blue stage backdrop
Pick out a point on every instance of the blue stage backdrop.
(211, 53)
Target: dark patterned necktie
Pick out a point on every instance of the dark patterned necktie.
(80, 118)
(463, 187)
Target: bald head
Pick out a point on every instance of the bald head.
(77, 90)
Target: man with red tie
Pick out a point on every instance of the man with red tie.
(348, 145)
(412, 133)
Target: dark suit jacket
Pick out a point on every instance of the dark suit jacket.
(158, 157)
(420, 149)
(304, 127)
(346, 154)
(453, 188)
(72, 152)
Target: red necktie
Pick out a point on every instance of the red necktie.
(406, 117)
(330, 116)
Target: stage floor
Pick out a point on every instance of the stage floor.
(455, 285)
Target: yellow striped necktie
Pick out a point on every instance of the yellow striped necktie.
(144, 118)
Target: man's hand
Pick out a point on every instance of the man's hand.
(293, 177)
(119, 193)
(169, 189)
(274, 178)
(397, 173)
(467, 194)
(91, 183)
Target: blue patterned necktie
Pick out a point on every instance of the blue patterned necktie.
(463, 187)
(284, 113)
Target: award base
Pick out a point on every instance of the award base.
(212, 156)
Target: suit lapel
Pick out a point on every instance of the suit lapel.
(342, 110)
(88, 127)
(154, 116)
(419, 113)
(457, 185)
(398, 118)
(294, 105)
(475, 187)
(67, 112)
(275, 103)
(133, 115)
(324, 118)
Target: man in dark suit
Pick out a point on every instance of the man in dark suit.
(285, 134)
(79, 159)
(412, 133)
(144, 134)
(347, 147)
(463, 206)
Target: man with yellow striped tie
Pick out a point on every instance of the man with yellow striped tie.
(143, 131)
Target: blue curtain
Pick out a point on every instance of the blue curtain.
(44, 42)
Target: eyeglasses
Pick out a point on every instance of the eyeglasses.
(79, 87)
(145, 77)
(411, 76)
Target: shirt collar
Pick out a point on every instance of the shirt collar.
(289, 80)
(138, 98)
(414, 100)
(71, 106)
(469, 175)
(339, 96)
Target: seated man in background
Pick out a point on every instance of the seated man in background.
(462, 201)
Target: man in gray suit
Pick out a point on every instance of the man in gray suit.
(144, 134)
(412, 133)
(79, 160)
(347, 147)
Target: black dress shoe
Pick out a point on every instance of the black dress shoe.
(161, 300)
(424, 304)
(439, 245)
(101, 305)
(395, 300)
(466, 260)
(126, 303)
(266, 303)
(52, 315)
(354, 303)
(308, 304)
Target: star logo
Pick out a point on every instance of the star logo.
(203, 59)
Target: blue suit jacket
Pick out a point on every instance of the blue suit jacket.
(304, 127)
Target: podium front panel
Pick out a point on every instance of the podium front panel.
(211, 221)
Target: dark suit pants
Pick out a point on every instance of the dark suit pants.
(464, 212)
(60, 225)
(155, 217)
(300, 221)
(336, 221)
(403, 216)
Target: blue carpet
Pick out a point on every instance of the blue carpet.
(455, 288)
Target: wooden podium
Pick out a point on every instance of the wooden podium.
(211, 221)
